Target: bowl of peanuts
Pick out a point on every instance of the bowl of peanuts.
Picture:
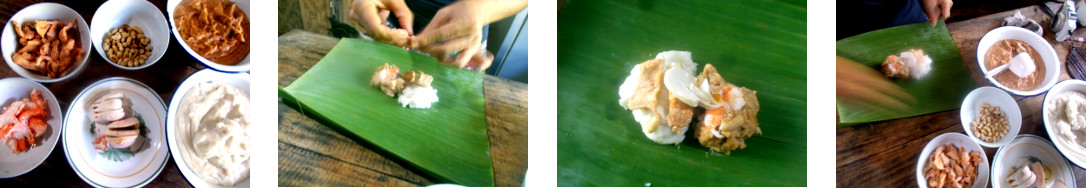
(952, 160)
(990, 116)
(130, 34)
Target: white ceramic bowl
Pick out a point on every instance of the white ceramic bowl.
(139, 13)
(239, 80)
(959, 140)
(1048, 55)
(1064, 86)
(12, 165)
(1012, 156)
(242, 66)
(993, 96)
(45, 11)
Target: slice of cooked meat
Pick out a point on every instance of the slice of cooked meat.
(679, 114)
(648, 87)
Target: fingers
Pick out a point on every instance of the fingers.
(366, 15)
(860, 96)
(444, 27)
(482, 60)
(859, 85)
(404, 15)
(945, 5)
(443, 50)
(465, 56)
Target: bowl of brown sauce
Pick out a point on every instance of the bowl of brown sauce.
(215, 32)
(1000, 45)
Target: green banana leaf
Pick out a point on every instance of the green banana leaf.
(447, 141)
(758, 44)
(942, 89)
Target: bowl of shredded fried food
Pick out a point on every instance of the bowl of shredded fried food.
(215, 32)
(952, 160)
(46, 42)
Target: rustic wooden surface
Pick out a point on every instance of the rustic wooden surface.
(311, 154)
(885, 153)
(164, 77)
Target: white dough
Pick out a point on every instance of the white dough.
(1068, 113)
(213, 123)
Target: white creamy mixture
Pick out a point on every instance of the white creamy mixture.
(1068, 113)
(213, 123)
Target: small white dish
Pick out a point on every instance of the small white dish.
(1048, 55)
(242, 66)
(116, 169)
(12, 165)
(239, 80)
(959, 140)
(139, 13)
(1010, 157)
(1050, 128)
(993, 96)
(45, 11)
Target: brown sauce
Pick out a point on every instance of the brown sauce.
(216, 29)
(1002, 52)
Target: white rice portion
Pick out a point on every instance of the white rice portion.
(918, 66)
(417, 97)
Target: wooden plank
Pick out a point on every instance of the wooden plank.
(305, 137)
(507, 143)
(333, 172)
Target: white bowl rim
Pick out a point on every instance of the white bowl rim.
(1009, 110)
(1046, 50)
(1001, 149)
(56, 104)
(183, 89)
(1060, 88)
(929, 147)
(166, 32)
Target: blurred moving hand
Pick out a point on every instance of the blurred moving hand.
(862, 88)
(455, 34)
(372, 15)
(936, 9)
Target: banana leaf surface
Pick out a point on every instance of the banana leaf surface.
(758, 44)
(943, 88)
(447, 141)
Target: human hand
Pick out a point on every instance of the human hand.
(862, 88)
(372, 16)
(456, 29)
(455, 34)
(936, 9)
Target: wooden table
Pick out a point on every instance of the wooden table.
(885, 153)
(164, 77)
(311, 154)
